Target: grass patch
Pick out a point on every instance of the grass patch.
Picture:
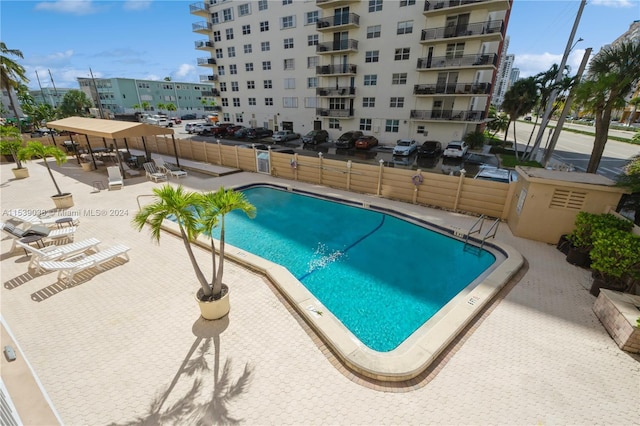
(509, 161)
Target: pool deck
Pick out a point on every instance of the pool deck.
(122, 341)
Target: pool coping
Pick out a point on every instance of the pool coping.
(422, 347)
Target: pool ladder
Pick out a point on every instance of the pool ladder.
(476, 228)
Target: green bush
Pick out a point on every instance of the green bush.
(616, 255)
(588, 225)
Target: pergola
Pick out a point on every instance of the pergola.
(112, 129)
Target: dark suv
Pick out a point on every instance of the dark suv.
(259, 133)
(430, 149)
(220, 129)
(348, 140)
(316, 136)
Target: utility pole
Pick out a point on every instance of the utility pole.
(97, 94)
(566, 109)
(554, 92)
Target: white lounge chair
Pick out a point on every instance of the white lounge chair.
(72, 266)
(115, 177)
(45, 234)
(129, 171)
(170, 169)
(28, 218)
(57, 252)
(153, 172)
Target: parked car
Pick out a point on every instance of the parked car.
(348, 139)
(285, 135)
(254, 145)
(431, 149)
(175, 120)
(190, 127)
(189, 117)
(405, 147)
(366, 142)
(241, 133)
(259, 133)
(456, 149)
(38, 133)
(205, 128)
(496, 174)
(284, 150)
(231, 130)
(316, 136)
(220, 129)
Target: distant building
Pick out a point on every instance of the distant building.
(49, 95)
(630, 114)
(7, 111)
(119, 96)
(503, 77)
(515, 76)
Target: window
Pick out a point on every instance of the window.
(399, 78)
(420, 130)
(312, 40)
(246, 29)
(404, 3)
(217, 36)
(374, 31)
(369, 80)
(233, 69)
(265, 46)
(239, 117)
(365, 124)
(248, 67)
(219, 54)
(372, 56)
(289, 83)
(229, 33)
(311, 102)
(405, 27)
(244, 10)
(227, 15)
(223, 86)
(225, 102)
(392, 126)
(251, 84)
(268, 84)
(397, 102)
(221, 70)
(313, 61)
(288, 43)
(215, 19)
(231, 52)
(286, 2)
(455, 50)
(311, 17)
(402, 54)
(288, 22)
(266, 65)
(236, 102)
(268, 101)
(290, 102)
(248, 48)
(263, 5)
(334, 123)
(252, 101)
(289, 64)
(375, 5)
(264, 26)
(312, 82)
(368, 102)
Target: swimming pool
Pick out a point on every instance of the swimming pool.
(399, 329)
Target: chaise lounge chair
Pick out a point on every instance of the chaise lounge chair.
(28, 218)
(153, 172)
(41, 231)
(115, 177)
(55, 252)
(170, 168)
(72, 266)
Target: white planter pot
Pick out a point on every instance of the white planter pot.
(215, 309)
(63, 201)
(20, 173)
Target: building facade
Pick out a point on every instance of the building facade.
(49, 95)
(394, 69)
(119, 96)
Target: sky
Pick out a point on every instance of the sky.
(145, 39)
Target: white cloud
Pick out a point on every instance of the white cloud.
(152, 77)
(136, 5)
(614, 3)
(74, 7)
(532, 64)
(184, 70)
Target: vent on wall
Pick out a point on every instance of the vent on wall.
(567, 199)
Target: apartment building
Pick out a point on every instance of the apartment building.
(49, 95)
(126, 95)
(395, 69)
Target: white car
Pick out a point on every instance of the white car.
(496, 174)
(285, 135)
(456, 149)
(405, 147)
(191, 127)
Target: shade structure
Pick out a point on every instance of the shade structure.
(111, 129)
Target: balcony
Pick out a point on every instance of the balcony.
(200, 9)
(337, 46)
(208, 78)
(461, 6)
(335, 113)
(340, 22)
(488, 30)
(329, 70)
(217, 108)
(207, 62)
(211, 94)
(448, 115)
(204, 45)
(334, 3)
(452, 89)
(488, 60)
(336, 91)
(201, 27)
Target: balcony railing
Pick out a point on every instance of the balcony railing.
(347, 19)
(444, 4)
(489, 59)
(452, 89)
(201, 27)
(334, 3)
(327, 112)
(335, 91)
(334, 46)
(477, 28)
(213, 108)
(204, 44)
(199, 8)
(211, 94)
(206, 61)
(336, 69)
(205, 78)
(451, 115)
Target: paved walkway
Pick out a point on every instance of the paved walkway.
(126, 345)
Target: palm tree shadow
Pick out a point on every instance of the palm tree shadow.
(215, 409)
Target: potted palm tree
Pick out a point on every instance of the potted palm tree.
(10, 144)
(197, 213)
(35, 149)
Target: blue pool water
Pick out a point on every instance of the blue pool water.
(381, 276)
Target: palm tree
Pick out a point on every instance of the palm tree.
(634, 103)
(11, 75)
(518, 100)
(35, 149)
(195, 213)
(10, 143)
(74, 102)
(613, 73)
